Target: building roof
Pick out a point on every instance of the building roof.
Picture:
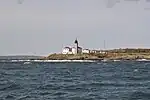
(79, 47)
(85, 49)
(66, 47)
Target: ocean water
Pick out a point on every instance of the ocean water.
(75, 81)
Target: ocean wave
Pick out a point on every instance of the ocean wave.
(10, 87)
(66, 81)
(139, 96)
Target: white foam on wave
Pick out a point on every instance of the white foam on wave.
(52, 61)
(64, 61)
(142, 60)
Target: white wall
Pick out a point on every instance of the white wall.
(85, 51)
(74, 51)
(65, 51)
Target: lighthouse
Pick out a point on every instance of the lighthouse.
(73, 50)
(76, 46)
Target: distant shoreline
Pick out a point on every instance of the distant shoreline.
(110, 55)
(69, 61)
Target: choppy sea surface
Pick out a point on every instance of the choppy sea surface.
(75, 81)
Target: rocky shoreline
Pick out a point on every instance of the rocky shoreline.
(99, 57)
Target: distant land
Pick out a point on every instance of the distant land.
(115, 54)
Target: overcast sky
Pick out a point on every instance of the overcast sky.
(45, 26)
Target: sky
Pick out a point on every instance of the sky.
(41, 27)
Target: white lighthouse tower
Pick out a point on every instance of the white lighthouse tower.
(76, 46)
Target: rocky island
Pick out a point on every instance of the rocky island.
(78, 53)
(116, 54)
